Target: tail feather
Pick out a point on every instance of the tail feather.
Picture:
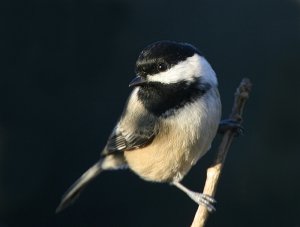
(108, 162)
(74, 191)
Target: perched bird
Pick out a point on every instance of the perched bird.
(168, 123)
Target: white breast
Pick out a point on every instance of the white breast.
(182, 139)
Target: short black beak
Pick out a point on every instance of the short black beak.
(137, 81)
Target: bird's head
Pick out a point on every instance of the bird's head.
(169, 62)
(171, 74)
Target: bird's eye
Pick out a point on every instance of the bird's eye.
(162, 67)
(142, 70)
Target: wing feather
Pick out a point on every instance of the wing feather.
(132, 138)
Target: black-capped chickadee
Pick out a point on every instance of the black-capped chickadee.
(168, 123)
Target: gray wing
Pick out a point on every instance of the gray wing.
(131, 136)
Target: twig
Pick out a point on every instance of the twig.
(214, 172)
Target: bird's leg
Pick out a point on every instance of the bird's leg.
(199, 198)
(232, 124)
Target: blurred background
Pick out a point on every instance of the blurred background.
(65, 69)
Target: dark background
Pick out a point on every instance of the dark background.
(64, 73)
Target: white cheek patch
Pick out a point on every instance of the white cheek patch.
(188, 70)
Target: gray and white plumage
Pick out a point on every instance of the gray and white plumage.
(169, 121)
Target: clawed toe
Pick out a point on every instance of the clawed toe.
(231, 124)
(207, 201)
(209, 198)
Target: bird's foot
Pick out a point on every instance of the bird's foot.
(204, 200)
(231, 124)
(199, 198)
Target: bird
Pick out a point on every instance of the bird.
(168, 123)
